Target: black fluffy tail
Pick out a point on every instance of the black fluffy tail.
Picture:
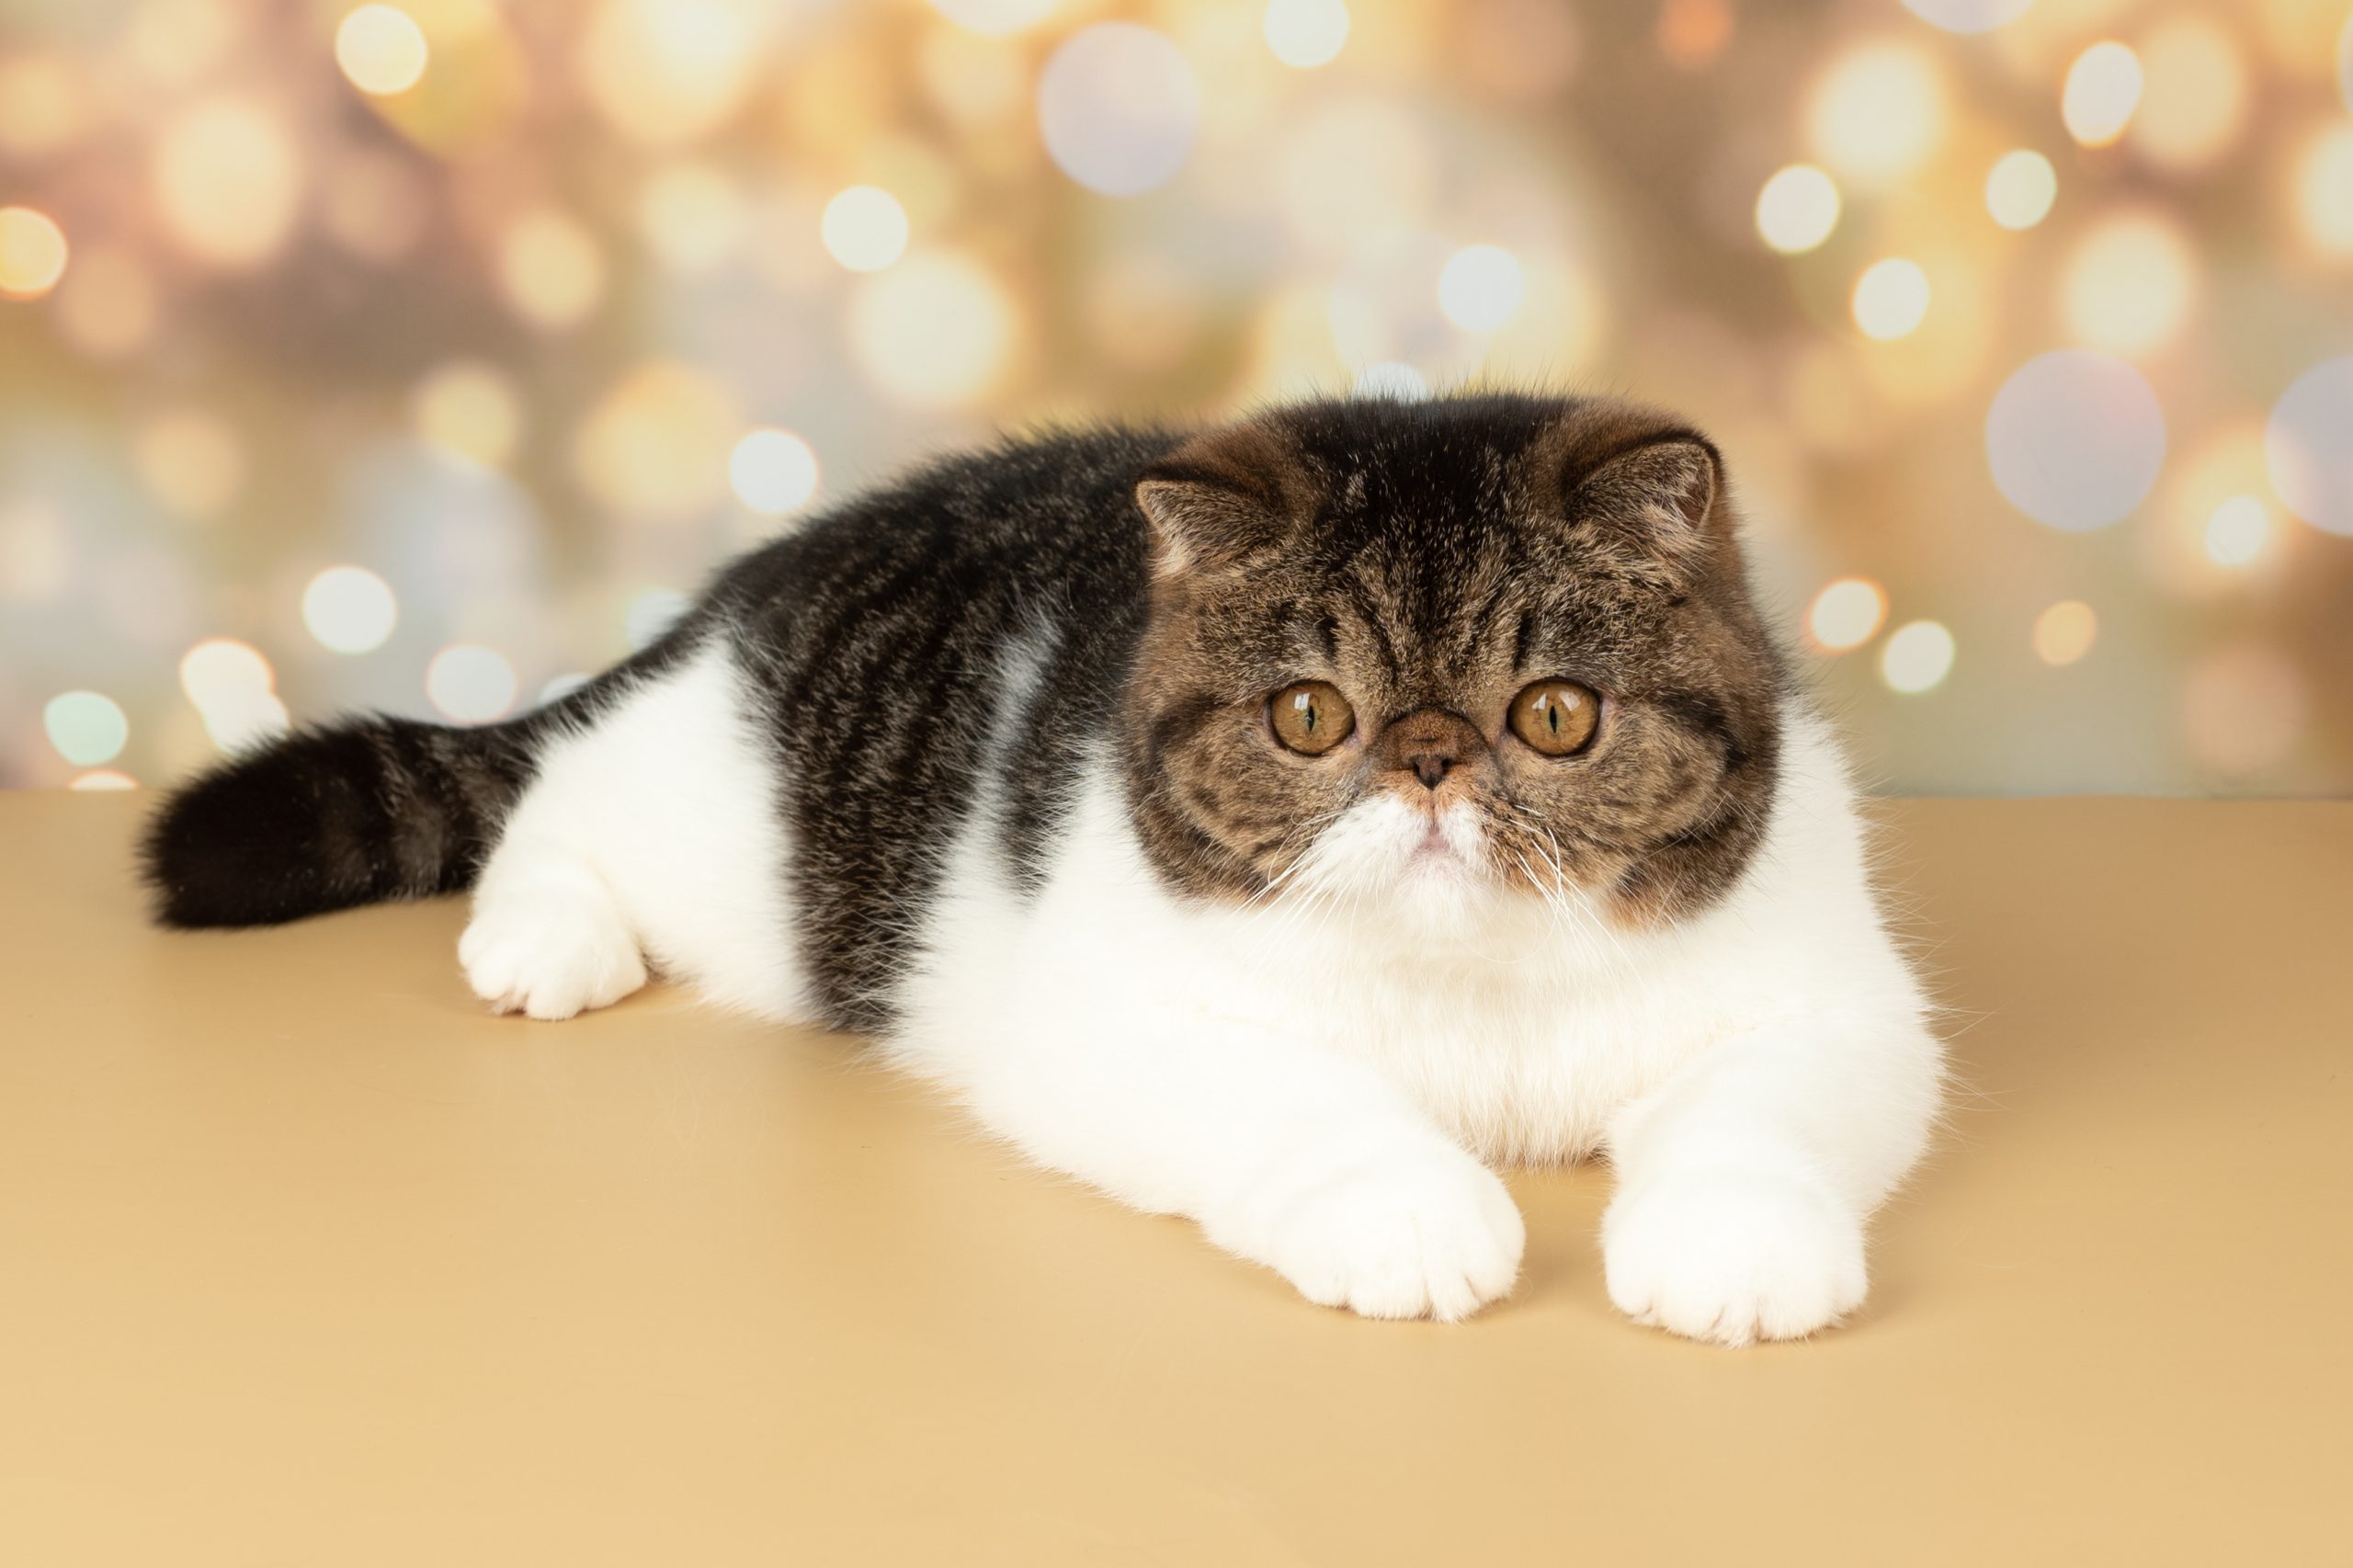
(357, 813)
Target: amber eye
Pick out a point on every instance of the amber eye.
(1556, 717)
(1312, 716)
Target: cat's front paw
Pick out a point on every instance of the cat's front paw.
(550, 955)
(1417, 1230)
(1731, 1259)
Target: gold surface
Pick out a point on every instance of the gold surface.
(304, 1259)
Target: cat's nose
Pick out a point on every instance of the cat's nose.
(1429, 743)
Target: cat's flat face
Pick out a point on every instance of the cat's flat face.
(1425, 653)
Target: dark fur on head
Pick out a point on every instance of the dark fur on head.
(1431, 559)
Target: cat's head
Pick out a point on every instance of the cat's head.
(1437, 654)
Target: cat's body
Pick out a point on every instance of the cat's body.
(983, 763)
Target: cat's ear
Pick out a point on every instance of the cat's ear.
(1652, 510)
(1222, 498)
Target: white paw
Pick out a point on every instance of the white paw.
(1419, 1229)
(550, 953)
(1732, 1259)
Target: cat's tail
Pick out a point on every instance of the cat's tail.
(358, 811)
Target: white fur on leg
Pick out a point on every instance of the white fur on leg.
(546, 937)
(1732, 1259)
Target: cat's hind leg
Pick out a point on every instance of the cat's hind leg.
(649, 839)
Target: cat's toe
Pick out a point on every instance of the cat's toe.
(550, 959)
(1422, 1231)
(1732, 1260)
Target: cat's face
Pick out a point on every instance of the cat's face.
(1431, 654)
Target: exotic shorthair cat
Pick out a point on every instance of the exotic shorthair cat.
(1277, 825)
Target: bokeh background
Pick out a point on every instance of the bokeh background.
(421, 355)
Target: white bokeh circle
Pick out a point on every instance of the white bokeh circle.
(2307, 446)
(1118, 106)
(2075, 439)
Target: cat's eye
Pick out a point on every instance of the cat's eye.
(1556, 717)
(1310, 717)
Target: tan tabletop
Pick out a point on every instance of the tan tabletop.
(306, 1260)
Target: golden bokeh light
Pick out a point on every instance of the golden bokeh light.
(2244, 709)
(1847, 613)
(935, 331)
(1796, 208)
(773, 471)
(2129, 284)
(995, 17)
(469, 408)
(663, 73)
(1694, 33)
(32, 253)
(657, 444)
(190, 461)
(1891, 298)
(2194, 97)
(1480, 287)
(2066, 633)
(1877, 113)
(104, 778)
(471, 684)
(1304, 34)
(549, 268)
(1917, 658)
(693, 218)
(47, 103)
(228, 181)
(2102, 90)
(349, 609)
(864, 228)
(2324, 191)
(2237, 532)
(381, 50)
(2020, 187)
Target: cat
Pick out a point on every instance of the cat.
(1280, 824)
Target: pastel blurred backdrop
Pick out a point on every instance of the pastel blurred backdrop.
(421, 355)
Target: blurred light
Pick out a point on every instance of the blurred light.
(1517, 50)
(994, 17)
(1877, 113)
(2064, 632)
(2129, 284)
(865, 228)
(2103, 89)
(228, 181)
(2020, 190)
(2325, 191)
(973, 80)
(2244, 709)
(1796, 208)
(1306, 33)
(666, 71)
(231, 685)
(2345, 62)
(692, 216)
(2308, 447)
(1353, 171)
(2075, 439)
(658, 442)
(469, 408)
(381, 50)
(469, 684)
(191, 461)
(1917, 658)
(562, 686)
(934, 332)
(2237, 531)
(1392, 380)
(1143, 311)
(549, 268)
(1480, 287)
(1847, 613)
(35, 550)
(1967, 15)
(1890, 299)
(87, 728)
(219, 668)
(32, 253)
(1118, 106)
(349, 609)
(773, 471)
(104, 778)
(651, 614)
(1693, 33)
(2194, 101)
